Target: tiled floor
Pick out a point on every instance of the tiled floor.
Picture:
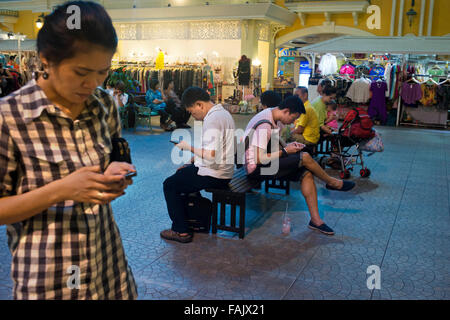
(399, 220)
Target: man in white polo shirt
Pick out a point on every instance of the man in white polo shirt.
(212, 165)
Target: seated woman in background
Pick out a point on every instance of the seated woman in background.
(120, 97)
(155, 101)
(177, 113)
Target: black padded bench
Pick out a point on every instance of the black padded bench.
(235, 197)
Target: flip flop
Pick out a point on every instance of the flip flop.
(347, 186)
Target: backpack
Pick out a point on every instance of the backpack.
(357, 124)
(198, 212)
(246, 142)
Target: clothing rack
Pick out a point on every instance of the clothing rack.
(431, 78)
(401, 109)
(182, 75)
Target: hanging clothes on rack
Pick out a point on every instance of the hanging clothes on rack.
(183, 76)
(436, 71)
(411, 93)
(377, 107)
(443, 97)
(377, 71)
(388, 75)
(328, 64)
(359, 91)
(362, 70)
(348, 69)
(428, 94)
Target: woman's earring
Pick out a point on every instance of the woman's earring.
(45, 75)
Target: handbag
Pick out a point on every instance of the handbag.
(120, 150)
(373, 145)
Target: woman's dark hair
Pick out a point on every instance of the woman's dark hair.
(120, 86)
(325, 83)
(193, 94)
(270, 99)
(294, 104)
(166, 84)
(153, 84)
(288, 94)
(328, 91)
(57, 42)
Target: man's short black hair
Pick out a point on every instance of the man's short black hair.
(294, 104)
(270, 99)
(328, 91)
(303, 89)
(193, 94)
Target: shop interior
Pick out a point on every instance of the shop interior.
(402, 85)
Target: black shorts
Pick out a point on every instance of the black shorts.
(289, 168)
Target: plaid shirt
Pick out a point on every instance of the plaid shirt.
(40, 144)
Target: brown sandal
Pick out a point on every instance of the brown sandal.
(169, 234)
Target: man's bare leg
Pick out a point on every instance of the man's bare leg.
(316, 169)
(309, 191)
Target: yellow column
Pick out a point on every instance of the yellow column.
(249, 39)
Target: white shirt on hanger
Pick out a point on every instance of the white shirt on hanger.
(359, 91)
(387, 76)
(328, 64)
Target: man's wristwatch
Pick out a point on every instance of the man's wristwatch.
(284, 152)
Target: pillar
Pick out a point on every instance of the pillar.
(249, 39)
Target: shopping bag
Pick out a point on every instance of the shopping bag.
(373, 145)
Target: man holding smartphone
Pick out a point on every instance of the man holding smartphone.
(291, 162)
(212, 165)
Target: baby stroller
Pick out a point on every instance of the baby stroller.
(342, 150)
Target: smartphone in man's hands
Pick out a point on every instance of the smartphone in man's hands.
(131, 174)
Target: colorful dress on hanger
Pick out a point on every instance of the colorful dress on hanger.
(159, 63)
(411, 93)
(428, 95)
(377, 107)
(348, 69)
(377, 72)
(437, 73)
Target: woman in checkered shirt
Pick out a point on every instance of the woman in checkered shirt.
(56, 179)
